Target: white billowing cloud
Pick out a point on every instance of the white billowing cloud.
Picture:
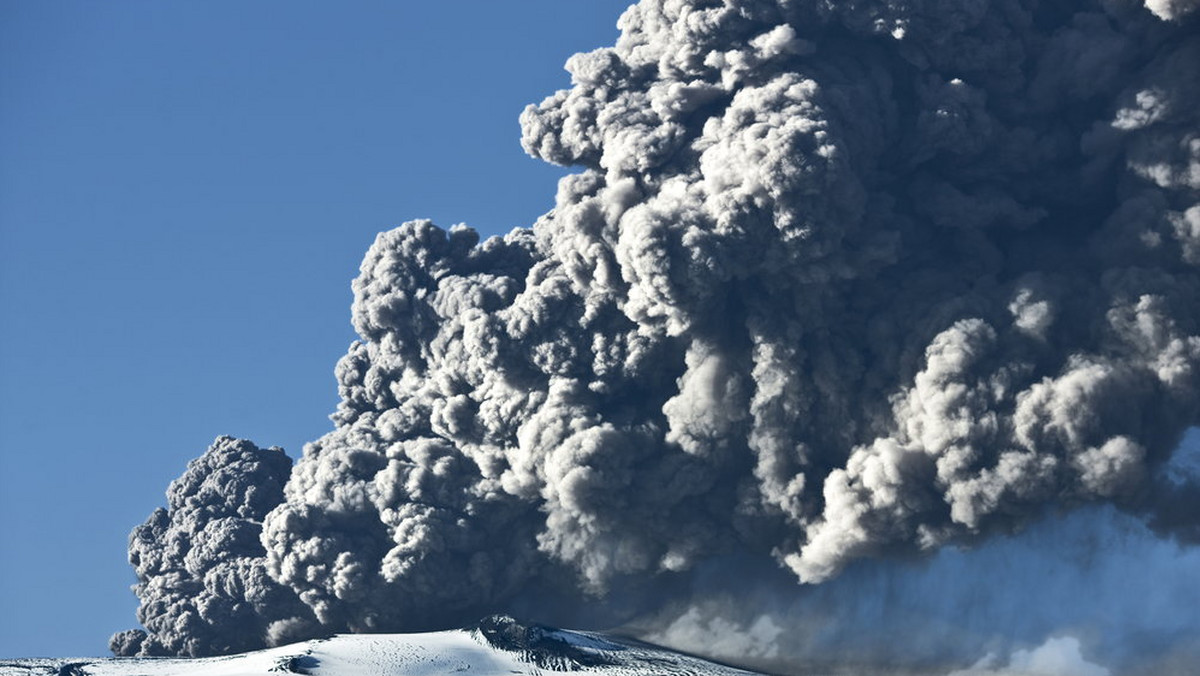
(716, 635)
(1058, 656)
(1171, 10)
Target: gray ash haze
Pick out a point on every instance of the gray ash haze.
(842, 296)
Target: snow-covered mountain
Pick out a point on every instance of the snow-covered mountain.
(497, 646)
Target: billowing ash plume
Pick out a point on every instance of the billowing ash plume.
(837, 280)
(200, 564)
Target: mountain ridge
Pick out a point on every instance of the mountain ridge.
(495, 646)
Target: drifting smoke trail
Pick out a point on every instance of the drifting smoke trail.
(1095, 583)
(837, 282)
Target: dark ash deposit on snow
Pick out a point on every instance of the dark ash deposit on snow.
(837, 281)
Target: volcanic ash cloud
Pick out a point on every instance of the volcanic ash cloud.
(835, 281)
(200, 564)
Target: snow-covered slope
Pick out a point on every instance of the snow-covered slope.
(497, 647)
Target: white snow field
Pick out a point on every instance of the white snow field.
(476, 652)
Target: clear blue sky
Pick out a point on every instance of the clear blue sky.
(186, 190)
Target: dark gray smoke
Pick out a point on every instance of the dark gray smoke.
(200, 564)
(836, 281)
